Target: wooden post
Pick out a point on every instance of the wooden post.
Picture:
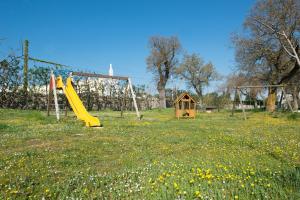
(25, 67)
(239, 93)
(49, 99)
(233, 103)
(281, 97)
(124, 101)
(134, 100)
(195, 108)
(66, 110)
(287, 100)
(25, 73)
(66, 105)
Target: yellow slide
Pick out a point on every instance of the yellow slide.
(76, 103)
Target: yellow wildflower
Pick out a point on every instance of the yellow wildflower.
(198, 194)
(176, 186)
(161, 178)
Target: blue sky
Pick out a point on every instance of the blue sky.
(93, 34)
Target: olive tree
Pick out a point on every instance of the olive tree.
(269, 49)
(162, 62)
(197, 73)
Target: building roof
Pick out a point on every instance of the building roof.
(182, 95)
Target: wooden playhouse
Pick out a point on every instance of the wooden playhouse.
(185, 106)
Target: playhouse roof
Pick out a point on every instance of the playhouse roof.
(182, 95)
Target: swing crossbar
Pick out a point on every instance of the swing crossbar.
(99, 76)
(259, 86)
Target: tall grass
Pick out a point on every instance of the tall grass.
(214, 156)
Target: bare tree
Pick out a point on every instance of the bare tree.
(269, 50)
(162, 61)
(284, 34)
(197, 73)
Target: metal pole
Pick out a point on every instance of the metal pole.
(134, 100)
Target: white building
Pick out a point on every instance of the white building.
(104, 86)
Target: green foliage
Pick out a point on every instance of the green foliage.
(212, 157)
(215, 99)
(293, 116)
(196, 73)
(3, 126)
(39, 76)
(10, 81)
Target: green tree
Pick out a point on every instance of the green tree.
(10, 82)
(197, 73)
(39, 77)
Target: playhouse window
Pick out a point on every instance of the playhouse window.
(186, 105)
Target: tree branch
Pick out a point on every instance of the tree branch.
(278, 33)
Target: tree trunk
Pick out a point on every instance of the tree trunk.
(271, 100)
(162, 97)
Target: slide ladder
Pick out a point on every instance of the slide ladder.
(76, 104)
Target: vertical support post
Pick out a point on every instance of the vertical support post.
(123, 102)
(66, 106)
(25, 73)
(134, 100)
(25, 67)
(66, 110)
(239, 93)
(49, 97)
(280, 100)
(233, 103)
(55, 95)
(287, 99)
(122, 106)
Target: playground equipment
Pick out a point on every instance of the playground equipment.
(124, 78)
(75, 102)
(52, 89)
(69, 91)
(238, 91)
(185, 106)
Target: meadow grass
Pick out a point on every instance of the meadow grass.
(214, 156)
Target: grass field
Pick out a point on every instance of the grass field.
(214, 156)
